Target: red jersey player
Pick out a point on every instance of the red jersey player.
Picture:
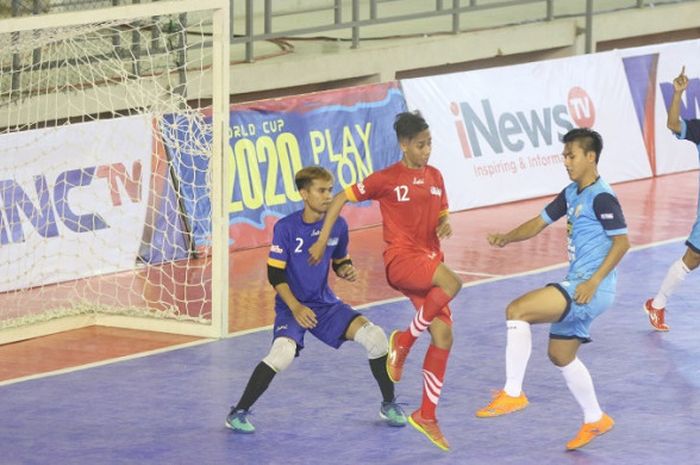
(413, 204)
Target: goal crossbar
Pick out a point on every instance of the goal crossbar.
(125, 12)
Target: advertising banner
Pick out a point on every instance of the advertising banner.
(650, 72)
(496, 132)
(73, 200)
(349, 132)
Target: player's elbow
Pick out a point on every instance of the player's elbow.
(622, 243)
(626, 242)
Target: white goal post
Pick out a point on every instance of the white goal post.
(113, 155)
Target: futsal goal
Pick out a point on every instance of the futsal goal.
(113, 128)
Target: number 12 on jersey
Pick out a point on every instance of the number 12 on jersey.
(402, 193)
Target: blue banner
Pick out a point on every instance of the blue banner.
(349, 132)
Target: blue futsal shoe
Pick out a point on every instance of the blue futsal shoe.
(393, 414)
(238, 421)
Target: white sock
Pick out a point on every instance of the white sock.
(418, 324)
(518, 348)
(579, 381)
(676, 275)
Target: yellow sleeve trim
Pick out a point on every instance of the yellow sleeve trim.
(350, 194)
(443, 213)
(277, 263)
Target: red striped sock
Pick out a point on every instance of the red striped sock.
(434, 367)
(435, 301)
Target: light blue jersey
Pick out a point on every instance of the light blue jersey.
(593, 216)
(690, 130)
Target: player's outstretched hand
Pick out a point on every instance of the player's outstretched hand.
(444, 230)
(497, 240)
(681, 82)
(348, 272)
(316, 252)
(304, 316)
(584, 292)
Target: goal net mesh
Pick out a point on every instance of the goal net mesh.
(105, 137)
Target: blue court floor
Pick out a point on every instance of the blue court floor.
(170, 408)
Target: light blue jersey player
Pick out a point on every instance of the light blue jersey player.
(690, 131)
(305, 302)
(593, 217)
(687, 130)
(597, 237)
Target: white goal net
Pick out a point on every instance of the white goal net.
(111, 142)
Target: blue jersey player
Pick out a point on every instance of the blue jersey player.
(687, 130)
(305, 302)
(597, 240)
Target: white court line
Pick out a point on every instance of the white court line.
(471, 273)
(265, 328)
(565, 264)
(106, 362)
(654, 244)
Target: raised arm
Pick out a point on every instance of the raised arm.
(317, 250)
(525, 231)
(673, 121)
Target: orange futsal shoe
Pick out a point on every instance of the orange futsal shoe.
(589, 431)
(503, 404)
(396, 357)
(430, 428)
(656, 316)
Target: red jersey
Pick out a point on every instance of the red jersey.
(411, 202)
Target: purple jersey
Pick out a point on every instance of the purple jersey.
(289, 251)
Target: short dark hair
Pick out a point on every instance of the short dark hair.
(408, 124)
(306, 176)
(587, 138)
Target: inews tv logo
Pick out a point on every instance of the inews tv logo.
(15, 201)
(513, 131)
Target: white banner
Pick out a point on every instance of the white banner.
(651, 71)
(72, 200)
(496, 132)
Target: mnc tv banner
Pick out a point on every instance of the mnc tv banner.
(73, 200)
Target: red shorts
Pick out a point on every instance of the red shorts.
(411, 273)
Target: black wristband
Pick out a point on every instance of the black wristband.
(276, 275)
(341, 263)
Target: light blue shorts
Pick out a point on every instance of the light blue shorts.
(576, 321)
(693, 241)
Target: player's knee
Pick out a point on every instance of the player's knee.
(451, 284)
(373, 339)
(514, 311)
(560, 359)
(691, 259)
(281, 354)
(455, 285)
